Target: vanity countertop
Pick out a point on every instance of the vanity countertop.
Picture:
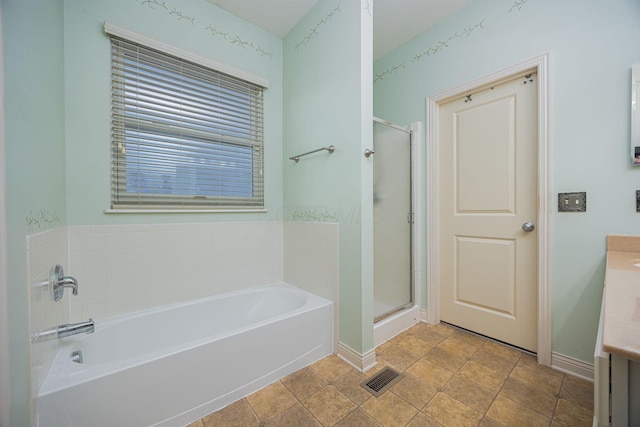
(621, 334)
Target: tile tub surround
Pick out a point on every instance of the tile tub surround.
(126, 268)
(44, 250)
(310, 261)
(452, 378)
(622, 297)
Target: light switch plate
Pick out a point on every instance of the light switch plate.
(572, 202)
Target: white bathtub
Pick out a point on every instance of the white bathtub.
(172, 365)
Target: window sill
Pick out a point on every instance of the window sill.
(181, 211)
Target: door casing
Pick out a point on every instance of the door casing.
(540, 64)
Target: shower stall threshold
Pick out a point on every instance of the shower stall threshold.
(392, 325)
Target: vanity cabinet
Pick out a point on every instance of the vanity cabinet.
(617, 352)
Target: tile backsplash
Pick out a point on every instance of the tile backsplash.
(126, 268)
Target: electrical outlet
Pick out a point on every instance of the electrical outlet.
(572, 202)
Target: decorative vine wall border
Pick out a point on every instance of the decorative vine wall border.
(42, 220)
(466, 32)
(433, 50)
(442, 44)
(517, 5)
(314, 31)
(313, 215)
(235, 40)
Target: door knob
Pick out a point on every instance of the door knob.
(528, 227)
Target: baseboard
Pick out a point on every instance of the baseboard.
(572, 366)
(360, 362)
(424, 316)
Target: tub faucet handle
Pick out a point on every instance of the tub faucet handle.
(59, 281)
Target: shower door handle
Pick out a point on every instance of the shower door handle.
(368, 153)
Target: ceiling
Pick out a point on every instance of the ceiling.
(394, 21)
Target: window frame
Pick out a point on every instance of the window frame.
(189, 202)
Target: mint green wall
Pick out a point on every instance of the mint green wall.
(591, 46)
(35, 162)
(327, 64)
(57, 103)
(87, 93)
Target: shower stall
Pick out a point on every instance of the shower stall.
(392, 219)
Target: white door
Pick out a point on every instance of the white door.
(487, 204)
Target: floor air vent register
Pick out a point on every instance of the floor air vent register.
(382, 381)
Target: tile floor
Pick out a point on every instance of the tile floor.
(452, 378)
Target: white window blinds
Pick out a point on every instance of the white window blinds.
(184, 136)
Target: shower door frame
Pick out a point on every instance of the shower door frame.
(412, 294)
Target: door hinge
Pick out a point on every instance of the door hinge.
(410, 217)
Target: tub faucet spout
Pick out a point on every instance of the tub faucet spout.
(70, 329)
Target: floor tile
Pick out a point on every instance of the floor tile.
(329, 405)
(493, 361)
(469, 393)
(413, 391)
(238, 414)
(510, 413)
(414, 345)
(577, 391)
(501, 350)
(423, 420)
(331, 368)
(380, 365)
(469, 338)
(449, 412)
(528, 359)
(480, 374)
(304, 383)
(427, 334)
(442, 329)
(488, 422)
(538, 376)
(570, 414)
(296, 416)
(430, 373)
(398, 357)
(450, 360)
(349, 385)
(384, 346)
(271, 401)
(454, 344)
(358, 418)
(389, 410)
(452, 378)
(532, 397)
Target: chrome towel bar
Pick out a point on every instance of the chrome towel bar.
(330, 149)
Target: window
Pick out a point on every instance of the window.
(184, 136)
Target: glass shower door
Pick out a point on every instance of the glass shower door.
(393, 287)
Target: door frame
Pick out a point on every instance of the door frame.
(4, 303)
(540, 64)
